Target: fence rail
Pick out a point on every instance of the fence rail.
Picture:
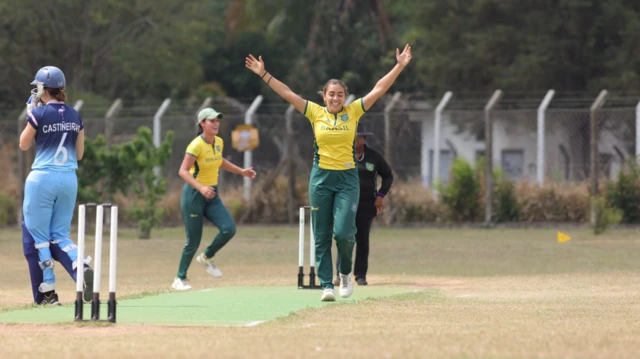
(540, 141)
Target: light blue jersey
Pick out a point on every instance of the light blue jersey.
(57, 127)
(52, 186)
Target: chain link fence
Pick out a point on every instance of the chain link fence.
(404, 134)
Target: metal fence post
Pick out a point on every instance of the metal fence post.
(593, 113)
(291, 168)
(108, 121)
(248, 155)
(638, 133)
(206, 103)
(488, 155)
(157, 128)
(387, 127)
(22, 172)
(349, 99)
(157, 119)
(437, 125)
(78, 105)
(541, 136)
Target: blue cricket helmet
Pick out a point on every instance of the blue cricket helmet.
(51, 77)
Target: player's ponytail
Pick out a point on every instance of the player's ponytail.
(199, 129)
(58, 94)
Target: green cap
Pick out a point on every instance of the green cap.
(208, 113)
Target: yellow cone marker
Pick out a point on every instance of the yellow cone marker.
(563, 237)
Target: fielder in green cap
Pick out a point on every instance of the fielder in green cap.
(200, 198)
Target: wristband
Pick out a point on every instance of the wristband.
(270, 78)
(263, 75)
(380, 194)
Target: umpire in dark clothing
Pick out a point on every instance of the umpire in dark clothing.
(371, 164)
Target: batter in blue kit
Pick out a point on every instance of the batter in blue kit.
(52, 186)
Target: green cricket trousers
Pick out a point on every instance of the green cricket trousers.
(194, 209)
(333, 198)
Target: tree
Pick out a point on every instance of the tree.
(481, 45)
(161, 48)
(118, 49)
(303, 43)
(138, 159)
(127, 168)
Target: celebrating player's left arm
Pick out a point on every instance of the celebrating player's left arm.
(246, 172)
(383, 85)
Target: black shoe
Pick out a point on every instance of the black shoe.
(87, 292)
(51, 299)
(361, 281)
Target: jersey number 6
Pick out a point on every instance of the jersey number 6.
(61, 150)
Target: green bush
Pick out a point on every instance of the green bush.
(497, 178)
(7, 210)
(462, 194)
(606, 216)
(625, 194)
(524, 202)
(507, 208)
(413, 213)
(127, 169)
(564, 202)
(139, 157)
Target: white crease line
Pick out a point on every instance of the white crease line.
(254, 323)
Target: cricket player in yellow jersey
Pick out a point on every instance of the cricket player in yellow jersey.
(200, 198)
(334, 186)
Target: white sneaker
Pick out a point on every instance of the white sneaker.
(208, 264)
(180, 284)
(346, 286)
(328, 295)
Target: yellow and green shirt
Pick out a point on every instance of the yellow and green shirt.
(335, 135)
(208, 160)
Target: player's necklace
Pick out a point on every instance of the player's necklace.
(360, 158)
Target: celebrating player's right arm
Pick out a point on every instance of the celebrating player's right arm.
(257, 66)
(383, 85)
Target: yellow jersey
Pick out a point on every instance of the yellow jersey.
(335, 135)
(208, 160)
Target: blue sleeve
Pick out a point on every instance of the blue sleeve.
(34, 117)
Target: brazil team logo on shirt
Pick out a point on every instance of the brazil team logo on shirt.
(218, 148)
(344, 118)
(369, 166)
